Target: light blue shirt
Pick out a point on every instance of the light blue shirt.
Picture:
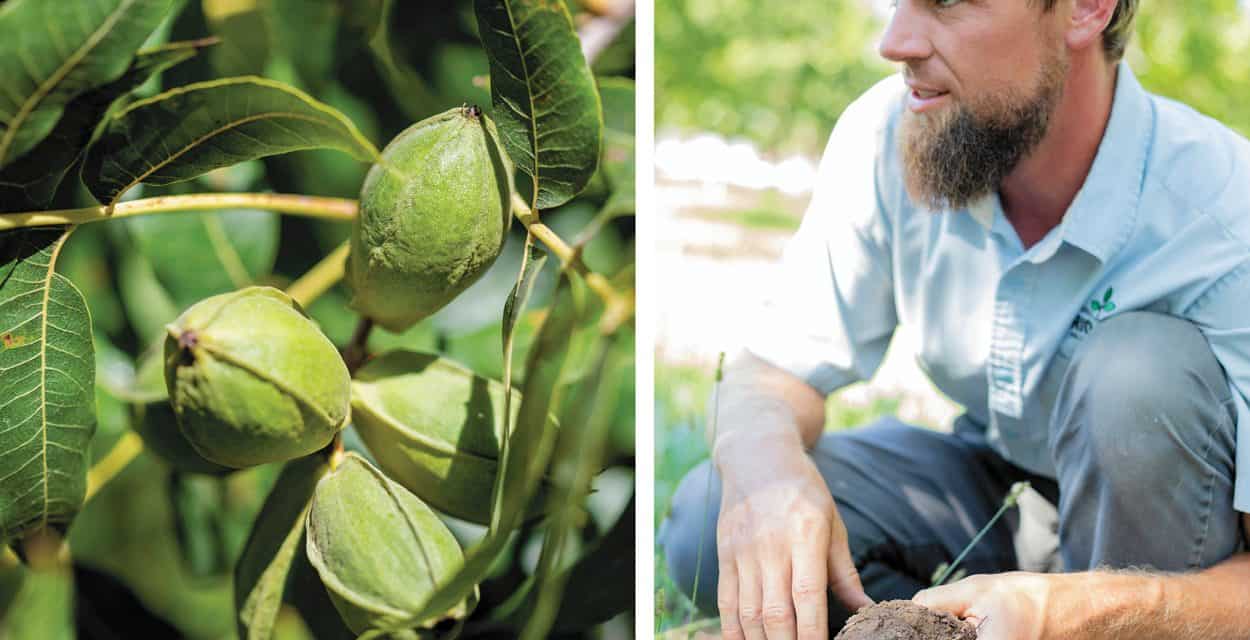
(1162, 223)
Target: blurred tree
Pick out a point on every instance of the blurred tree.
(780, 74)
(1198, 53)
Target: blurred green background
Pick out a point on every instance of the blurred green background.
(779, 75)
(764, 83)
(154, 551)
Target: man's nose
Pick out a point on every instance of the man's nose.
(905, 38)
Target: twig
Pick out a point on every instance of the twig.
(618, 306)
(122, 453)
(356, 351)
(46, 551)
(340, 209)
(317, 207)
(321, 277)
(354, 354)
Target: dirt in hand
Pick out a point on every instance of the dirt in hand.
(904, 620)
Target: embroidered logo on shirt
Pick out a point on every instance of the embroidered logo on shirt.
(1106, 305)
(1097, 309)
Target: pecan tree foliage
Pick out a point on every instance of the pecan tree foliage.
(257, 370)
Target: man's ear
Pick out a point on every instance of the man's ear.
(1089, 18)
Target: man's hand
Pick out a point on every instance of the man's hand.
(781, 543)
(1008, 606)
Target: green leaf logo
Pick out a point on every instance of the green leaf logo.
(1105, 306)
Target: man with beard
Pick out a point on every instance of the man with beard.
(1072, 257)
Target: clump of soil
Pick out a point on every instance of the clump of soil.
(904, 620)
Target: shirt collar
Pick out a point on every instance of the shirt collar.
(1104, 211)
(1102, 216)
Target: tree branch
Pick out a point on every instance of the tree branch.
(617, 304)
(339, 209)
(122, 453)
(321, 277)
(328, 208)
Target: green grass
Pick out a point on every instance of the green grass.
(757, 218)
(682, 395)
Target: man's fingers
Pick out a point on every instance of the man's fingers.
(727, 594)
(808, 588)
(750, 599)
(778, 610)
(843, 577)
(955, 598)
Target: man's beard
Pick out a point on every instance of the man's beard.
(962, 153)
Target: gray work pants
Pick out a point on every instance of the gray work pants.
(1143, 438)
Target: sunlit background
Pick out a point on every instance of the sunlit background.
(746, 95)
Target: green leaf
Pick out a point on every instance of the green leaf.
(533, 438)
(407, 87)
(1093, 304)
(157, 425)
(588, 598)
(546, 105)
(43, 608)
(531, 265)
(1106, 297)
(619, 104)
(195, 255)
(529, 449)
(191, 130)
(619, 56)
(272, 547)
(618, 146)
(47, 399)
(435, 427)
(244, 32)
(306, 593)
(309, 42)
(148, 306)
(1109, 308)
(533, 258)
(125, 531)
(50, 52)
(578, 458)
(197, 504)
(32, 183)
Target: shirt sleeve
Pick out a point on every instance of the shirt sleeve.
(829, 316)
(1221, 313)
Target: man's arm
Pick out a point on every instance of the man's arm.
(1213, 604)
(780, 542)
(829, 316)
(759, 400)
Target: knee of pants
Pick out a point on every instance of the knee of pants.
(689, 525)
(1144, 388)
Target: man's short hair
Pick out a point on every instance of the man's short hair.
(1115, 38)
